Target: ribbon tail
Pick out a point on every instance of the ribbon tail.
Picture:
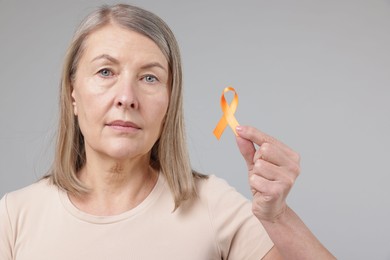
(218, 130)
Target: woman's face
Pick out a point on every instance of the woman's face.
(120, 93)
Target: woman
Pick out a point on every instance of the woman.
(121, 185)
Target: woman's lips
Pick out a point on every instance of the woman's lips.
(123, 126)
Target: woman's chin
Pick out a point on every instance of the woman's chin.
(118, 151)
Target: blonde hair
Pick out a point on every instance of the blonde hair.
(169, 154)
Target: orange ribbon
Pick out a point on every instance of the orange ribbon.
(228, 114)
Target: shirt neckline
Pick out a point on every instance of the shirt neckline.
(93, 219)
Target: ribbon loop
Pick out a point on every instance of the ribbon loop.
(228, 114)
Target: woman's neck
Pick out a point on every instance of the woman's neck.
(115, 186)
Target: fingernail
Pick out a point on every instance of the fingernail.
(238, 128)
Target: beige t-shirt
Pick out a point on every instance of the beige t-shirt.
(39, 222)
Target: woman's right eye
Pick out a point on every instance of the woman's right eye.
(105, 73)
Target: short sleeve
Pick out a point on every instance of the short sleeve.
(5, 231)
(239, 234)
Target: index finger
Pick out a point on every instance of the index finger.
(259, 138)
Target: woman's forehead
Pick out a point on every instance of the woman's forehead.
(120, 42)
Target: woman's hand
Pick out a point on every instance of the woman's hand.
(273, 169)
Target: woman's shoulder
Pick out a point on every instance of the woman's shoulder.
(237, 231)
(213, 183)
(215, 189)
(34, 192)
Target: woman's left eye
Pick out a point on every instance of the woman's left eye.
(150, 78)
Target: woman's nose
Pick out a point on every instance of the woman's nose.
(126, 97)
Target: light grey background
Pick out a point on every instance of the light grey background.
(314, 74)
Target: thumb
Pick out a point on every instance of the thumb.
(247, 150)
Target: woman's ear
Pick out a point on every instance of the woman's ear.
(74, 103)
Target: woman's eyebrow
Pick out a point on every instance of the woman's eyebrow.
(107, 57)
(154, 64)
